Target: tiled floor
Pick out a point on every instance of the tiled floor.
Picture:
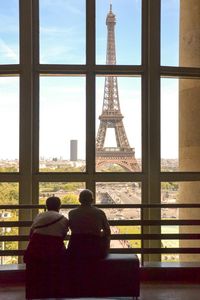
(148, 292)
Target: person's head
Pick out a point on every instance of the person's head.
(53, 203)
(86, 197)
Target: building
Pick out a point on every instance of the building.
(73, 150)
(153, 71)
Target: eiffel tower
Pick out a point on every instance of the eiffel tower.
(111, 117)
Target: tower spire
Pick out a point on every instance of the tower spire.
(110, 6)
(111, 116)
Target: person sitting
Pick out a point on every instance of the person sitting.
(90, 231)
(47, 234)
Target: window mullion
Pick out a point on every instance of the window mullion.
(90, 92)
(154, 118)
(35, 112)
(25, 101)
(25, 187)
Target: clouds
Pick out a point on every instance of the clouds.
(68, 6)
(62, 44)
(9, 32)
(8, 54)
(62, 32)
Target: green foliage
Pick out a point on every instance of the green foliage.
(63, 168)
(73, 186)
(70, 199)
(53, 187)
(131, 230)
(9, 193)
(8, 169)
(170, 186)
(9, 231)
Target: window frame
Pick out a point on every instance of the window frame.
(150, 71)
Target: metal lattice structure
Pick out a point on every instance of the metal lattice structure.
(111, 116)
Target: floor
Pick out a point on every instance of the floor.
(148, 292)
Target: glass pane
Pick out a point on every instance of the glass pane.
(118, 124)
(62, 120)
(9, 124)
(124, 242)
(124, 27)
(9, 33)
(9, 195)
(169, 195)
(169, 130)
(62, 32)
(170, 32)
(180, 131)
(180, 193)
(68, 192)
(121, 193)
(180, 33)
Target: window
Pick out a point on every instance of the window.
(9, 37)
(62, 32)
(106, 97)
(62, 120)
(127, 31)
(9, 123)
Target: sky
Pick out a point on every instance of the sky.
(62, 99)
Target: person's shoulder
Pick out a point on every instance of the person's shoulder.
(41, 215)
(58, 215)
(49, 214)
(98, 210)
(44, 213)
(73, 211)
(64, 219)
(40, 218)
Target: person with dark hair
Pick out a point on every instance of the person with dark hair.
(53, 203)
(47, 234)
(90, 231)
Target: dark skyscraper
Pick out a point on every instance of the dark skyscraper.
(73, 150)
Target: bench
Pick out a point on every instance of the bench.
(115, 276)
